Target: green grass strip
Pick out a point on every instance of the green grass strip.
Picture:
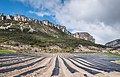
(5, 51)
(112, 54)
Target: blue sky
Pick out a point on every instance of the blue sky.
(15, 7)
(100, 18)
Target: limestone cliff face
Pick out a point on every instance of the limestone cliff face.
(84, 35)
(1, 16)
(9, 17)
(22, 18)
(114, 43)
(63, 28)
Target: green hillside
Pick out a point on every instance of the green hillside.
(43, 36)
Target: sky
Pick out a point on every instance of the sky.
(100, 18)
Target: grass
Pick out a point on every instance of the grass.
(5, 51)
(118, 61)
(112, 54)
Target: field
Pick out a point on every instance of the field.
(5, 51)
(113, 54)
(58, 65)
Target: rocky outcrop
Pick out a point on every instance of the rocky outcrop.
(1, 16)
(31, 30)
(9, 17)
(84, 35)
(8, 25)
(114, 43)
(63, 28)
(22, 18)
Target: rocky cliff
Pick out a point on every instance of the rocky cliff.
(23, 18)
(23, 23)
(20, 32)
(84, 35)
(114, 43)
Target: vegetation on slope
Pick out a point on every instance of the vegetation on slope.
(45, 36)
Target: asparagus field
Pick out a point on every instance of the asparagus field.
(58, 65)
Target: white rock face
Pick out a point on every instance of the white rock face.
(45, 22)
(84, 35)
(31, 30)
(1, 16)
(4, 28)
(9, 17)
(22, 18)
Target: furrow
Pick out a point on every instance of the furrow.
(56, 69)
(19, 67)
(86, 69)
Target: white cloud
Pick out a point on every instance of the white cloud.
(41, 14)
(98, 17)
(102, 33)
(42, 4)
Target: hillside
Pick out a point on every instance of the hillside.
(39, 34)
